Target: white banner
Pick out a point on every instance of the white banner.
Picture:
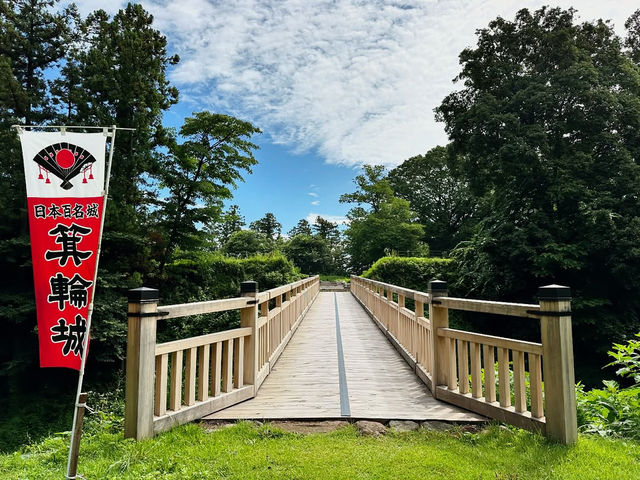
(63, 165)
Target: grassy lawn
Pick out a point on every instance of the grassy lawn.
(334, 278)
(249, 451)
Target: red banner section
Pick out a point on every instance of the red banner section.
(64, 243)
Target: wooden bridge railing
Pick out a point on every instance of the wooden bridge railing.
(459, 366)
(172, 383)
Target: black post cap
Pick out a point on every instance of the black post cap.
(249, 287)
(437, 286)
(554, 292)
(143, 295)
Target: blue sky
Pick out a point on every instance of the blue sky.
(333, 84)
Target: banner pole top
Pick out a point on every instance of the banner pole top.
(63, 128)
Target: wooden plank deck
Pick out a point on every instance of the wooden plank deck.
(377, 384)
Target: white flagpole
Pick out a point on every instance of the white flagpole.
(73, 452)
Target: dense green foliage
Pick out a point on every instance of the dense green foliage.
(316, 248)
(303, 227)
(114, 74)
(411, 272)
(546, 132)
(614, 410)
(230, 222)
(247, 450)
(309, 253)
(199, 174)
(442, 201)
(210, 275)
(380, 223)
(268, 226)
(245, 243)
(110, 71)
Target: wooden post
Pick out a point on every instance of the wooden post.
(141, 351)
(75, 448)
(439, 318)
(249, 318)
(557, 354)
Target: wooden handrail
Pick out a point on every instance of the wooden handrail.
(192, 342)
(524, 310)
(175, 382)
(502, 342)
(451, 362)
(197, 308)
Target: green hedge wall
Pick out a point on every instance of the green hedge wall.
(211, 276)
(412, 272)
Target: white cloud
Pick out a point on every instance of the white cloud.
(339, 219)
(355, 81)
(315, 202)
(312, 194)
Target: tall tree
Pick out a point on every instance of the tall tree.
(373, 188)
(547, 130)
(199, 174)
(374, 234)
(632, 42)
(230, 223)
(326, 229)
(268, 226)
(118, 76)
(311, 254)
(246, 243)
(34, 38)
(302, 228)
(442, 201)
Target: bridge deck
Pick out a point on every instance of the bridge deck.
(339, 364)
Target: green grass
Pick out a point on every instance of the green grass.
(334, 278)
(246, 451)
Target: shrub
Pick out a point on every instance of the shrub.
(411, 272)
(210, 276)
(614, 410)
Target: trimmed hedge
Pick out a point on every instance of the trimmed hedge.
(412, 272)
(209, 276)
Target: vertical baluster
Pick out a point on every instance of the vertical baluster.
(535, 385)
(227, 366)
(279, 319)
(463, 366)
(238, 362)
(203, 372)
(160, 404)
(216, 368)
(175, 396)
(503, 377)
(489, 373)
(452, 377)
(190, 381)
(518, 382)
(264, 312)
(402, 323)
(476, 373)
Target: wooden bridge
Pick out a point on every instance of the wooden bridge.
(370, 353)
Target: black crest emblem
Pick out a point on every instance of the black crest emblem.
(66, 161)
